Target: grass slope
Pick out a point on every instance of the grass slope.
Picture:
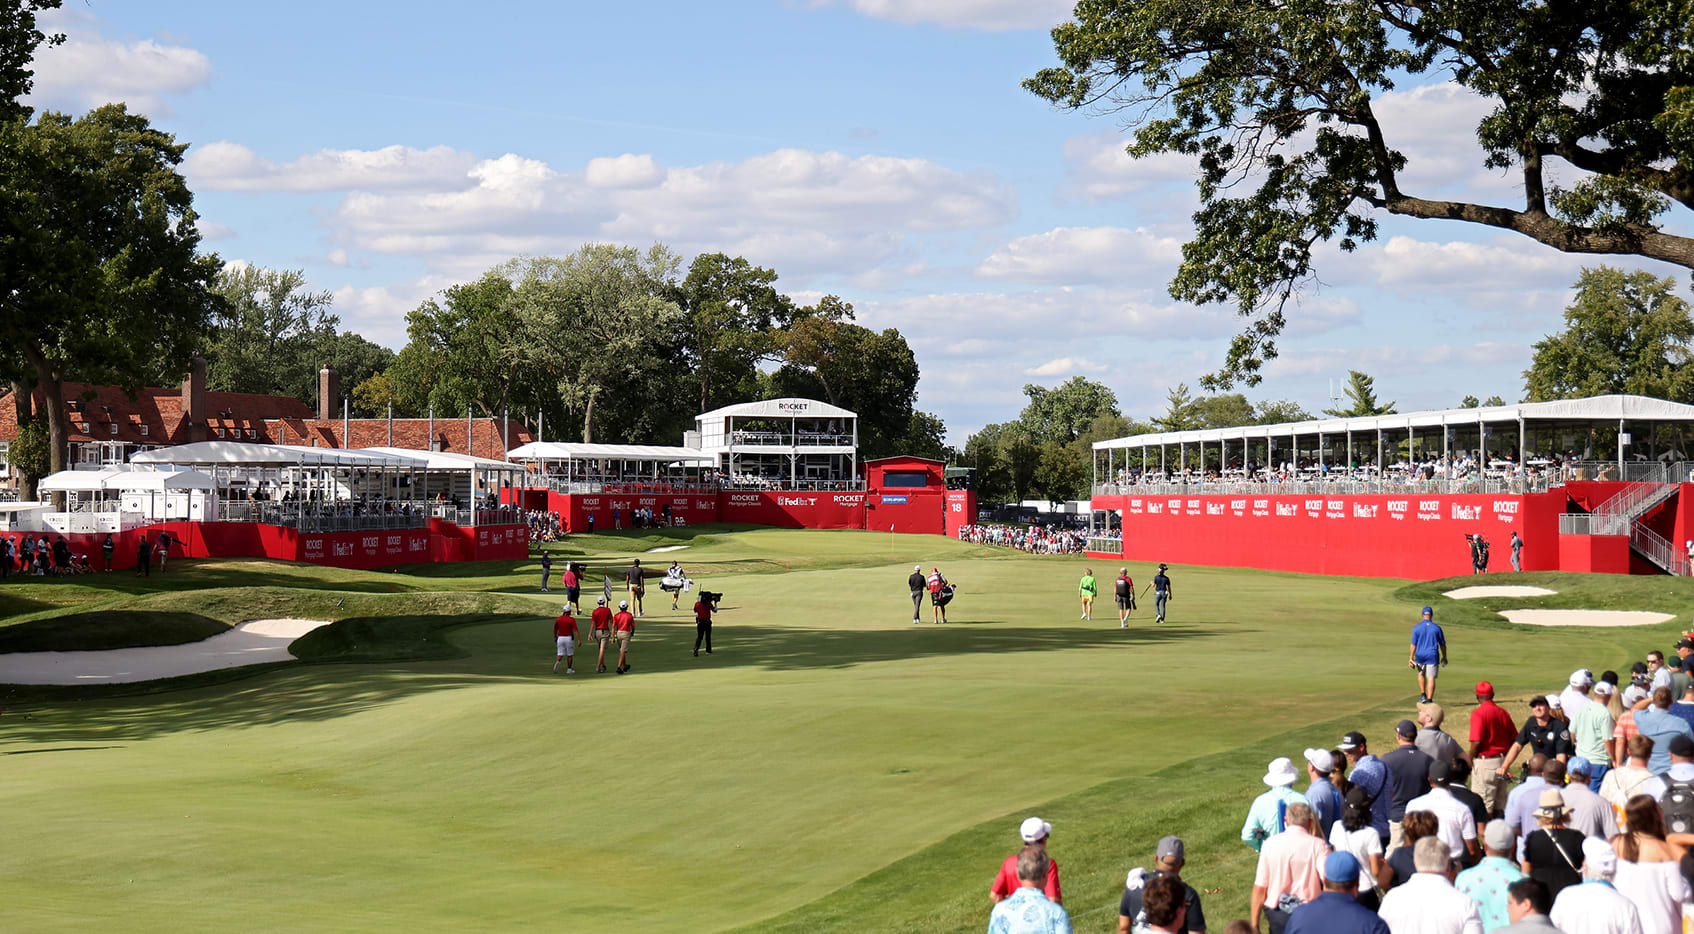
(830, 767)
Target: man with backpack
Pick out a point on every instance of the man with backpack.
(939, 593)
(1674, 788)
(1125, 588)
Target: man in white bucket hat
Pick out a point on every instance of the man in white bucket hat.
(1268, 815)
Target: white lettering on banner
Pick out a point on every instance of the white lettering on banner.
(591, 500)
(1335, 509)
(1314, 508)
(802, 500)
(1174, 505)
(1214, 509)
(1287, 509)
(342, 549)
(1397, 508)
(1506, 510)
(369, 542)
(648, 501)
(854, 499)
(314, 547)
(1261, 507)
(1362, 511)
(418, 543)
(744, 499)
(703, 504)
(1155, 508)
(956, 507)
(1466, 512)
(1429, 509)
(1135, 507)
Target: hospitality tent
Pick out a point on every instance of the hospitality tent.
(574, 467)
(288, 484)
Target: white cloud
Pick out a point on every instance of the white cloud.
(1098, 166)
(90, 69)
(1066, 366)
(798, 210)
(1396, 360)
(625, 171)
(1418, 266)
(986, 15)
(378, 313)
(212, 230)
(1077, 255)
(225, 166)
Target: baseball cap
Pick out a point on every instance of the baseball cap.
(1170, 849)
(1280, 772)
(623, 604)
(1406, 728)
(601, 601)
(1639, 668)
(1441, 771)
(1484, 689)
(1497, 835)
(1321, 759)
(1352, 741)
(1682, 746)
(1554, 702)
(1577, 765)
(1604, 687)
(1035, 830)
(566, 608)
(1429, 610)
(917, 567)
(1633, 695)
(1599, 857)
(1684, 644)
(1581, 678)
(1340, 868)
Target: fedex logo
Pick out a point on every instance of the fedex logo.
(1361, 511)
(1287, 509)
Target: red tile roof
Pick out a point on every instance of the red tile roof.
(159, 410)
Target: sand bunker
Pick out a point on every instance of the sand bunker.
(651, 551)
(1604, 618)
(1504, 590)
(251, 643)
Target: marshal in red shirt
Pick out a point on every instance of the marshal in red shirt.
(1491, 728)
(565, 626)
(1007, 881)
(602, 617)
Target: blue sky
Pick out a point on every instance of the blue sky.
(877, 149)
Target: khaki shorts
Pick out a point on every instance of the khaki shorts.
(623, 636)
(602, 635)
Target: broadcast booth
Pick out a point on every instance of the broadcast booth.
(912, 494)
(604, 486)
(1596, 484)
(117, 499)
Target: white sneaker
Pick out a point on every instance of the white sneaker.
(570, 671)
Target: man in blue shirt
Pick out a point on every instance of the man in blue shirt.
(1657, 723)
(1337, 910)
(1325, 799)
(1029, 910)
(1429, 653)
(1371, 775)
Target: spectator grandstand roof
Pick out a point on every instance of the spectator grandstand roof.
(570, 450)
(246, 452)
(1594, 409)
(779, 408)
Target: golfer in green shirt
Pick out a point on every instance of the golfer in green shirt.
(1089, 589)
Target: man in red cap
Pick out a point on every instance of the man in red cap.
(1491, 735)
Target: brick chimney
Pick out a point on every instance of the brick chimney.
(329, 395)
(194, 411)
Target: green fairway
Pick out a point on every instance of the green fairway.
(831, 767)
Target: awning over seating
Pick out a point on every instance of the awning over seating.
(1611, 408)
(251, 453)
(445, 460)
(94, 481)
(561, 450)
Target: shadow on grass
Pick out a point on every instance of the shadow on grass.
(35, 752)
(107, 629)
(362, 663)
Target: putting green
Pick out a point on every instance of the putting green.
(829, 767)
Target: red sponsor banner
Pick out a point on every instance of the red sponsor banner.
(793, 510)
(1409, 536)
(612, 510)
(912, 510)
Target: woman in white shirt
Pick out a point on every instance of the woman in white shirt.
(1354, 834)
(1649, 872)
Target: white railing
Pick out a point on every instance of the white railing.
(1654, 548)
(1110, 545)
(1333, 487)
(1578, 523)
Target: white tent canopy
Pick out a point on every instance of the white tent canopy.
(1612, 408)
(444, 460)
(251, 453)
(561, 450)
(93, 481)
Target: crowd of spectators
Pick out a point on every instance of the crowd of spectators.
(1035, 539)
(1578, 819)
(544, 525)
(1408, 475)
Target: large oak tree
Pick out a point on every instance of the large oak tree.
(1277, 103)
